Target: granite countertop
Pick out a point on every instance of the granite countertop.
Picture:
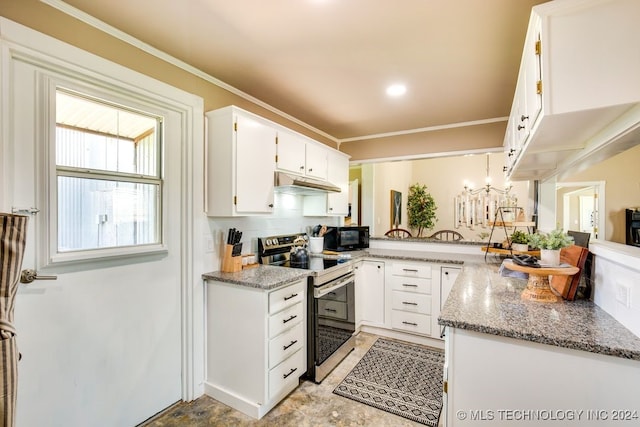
(483, 301)
(268, 277)
(265, 277)
(424, 256)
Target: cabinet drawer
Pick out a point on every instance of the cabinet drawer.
(409, 301)
(411, 284)
(285, 344)
(339, 294)
(286, 375)
(333, 309)
(286, 297)
(411, 322)
(285, 319)
(411, 270)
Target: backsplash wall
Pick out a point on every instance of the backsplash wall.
(287, 218)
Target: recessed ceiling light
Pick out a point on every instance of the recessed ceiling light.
(397, 89)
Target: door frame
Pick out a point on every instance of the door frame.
(16, 39)
(599, 192)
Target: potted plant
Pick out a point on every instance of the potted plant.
(550, 245)
(519, 241)
(421, 209)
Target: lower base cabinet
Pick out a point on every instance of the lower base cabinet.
(256, 344)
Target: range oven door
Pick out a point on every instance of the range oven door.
(334, 324)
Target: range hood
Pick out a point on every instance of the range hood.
(293, 184)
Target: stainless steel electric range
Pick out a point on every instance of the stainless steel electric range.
(330, 303)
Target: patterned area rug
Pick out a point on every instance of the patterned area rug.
(402, 378)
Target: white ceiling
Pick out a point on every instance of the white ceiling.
(327, 62)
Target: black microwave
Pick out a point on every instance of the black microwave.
(346, 238)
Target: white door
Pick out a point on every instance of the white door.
(101, 345)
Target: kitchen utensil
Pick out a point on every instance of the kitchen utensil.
(299, 256)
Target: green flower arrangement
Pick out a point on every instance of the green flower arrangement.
(555, 240)
(421, 209)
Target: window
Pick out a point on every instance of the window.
(108, 173)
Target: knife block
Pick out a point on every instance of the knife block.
(230, 263)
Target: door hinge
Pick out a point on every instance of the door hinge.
(276, 158)
(595, 195)
(235, 200)
(539, 87)
(445, 386)
(538, 47)
(276, 140)
(235, 126)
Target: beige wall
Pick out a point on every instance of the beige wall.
(444, 178)
(443, 141)
(621, 174)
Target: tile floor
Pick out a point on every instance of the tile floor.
(309, 405)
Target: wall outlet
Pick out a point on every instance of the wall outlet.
(623, 295)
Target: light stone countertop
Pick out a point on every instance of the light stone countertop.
(483, 301)
(265, 277)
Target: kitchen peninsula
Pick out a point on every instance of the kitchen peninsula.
(506, 354)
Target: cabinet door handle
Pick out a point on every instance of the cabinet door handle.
(446, 273)
(301, 167)
(287, 346)
(331, 310)
(409, 303)
(409, 285)
(520, 127)
(412, 270)
(410, 323)
(290, 372)
(290, 296)
(293, 316)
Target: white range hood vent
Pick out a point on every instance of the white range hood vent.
(292, 184)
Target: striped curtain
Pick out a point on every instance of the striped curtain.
(12, 241)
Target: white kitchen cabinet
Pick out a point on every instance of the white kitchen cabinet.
(448, 276)
(370, 294)
(338, 174)
(291, 150)
(412, 297)
(256, 344)
(241, 153)
(316, 160)
(332, 203)
(579, 94)
(300, 155)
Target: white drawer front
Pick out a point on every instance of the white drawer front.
(411, 322)
(286, 297)
(411, 284)
(333, 309)
(409, 301)
(286, 375)
(285, 319)
(285, 344)
(411, 270)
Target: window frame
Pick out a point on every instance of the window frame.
(109, 96)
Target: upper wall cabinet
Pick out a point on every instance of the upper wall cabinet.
(245, 150)
(241, 156)
(301, 156)
(578, 92)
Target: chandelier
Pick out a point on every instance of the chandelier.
(478, 206)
